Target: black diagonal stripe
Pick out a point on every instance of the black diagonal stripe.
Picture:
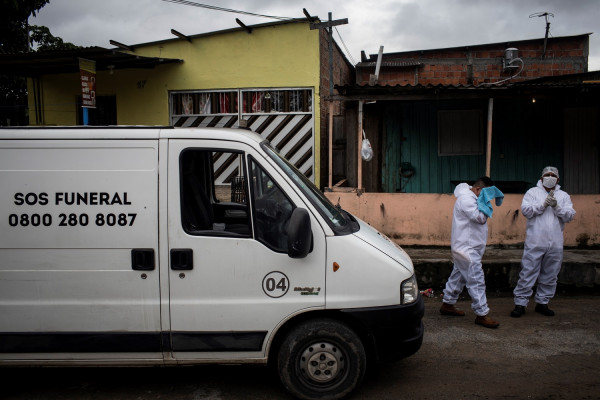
(251, 120)
(230, 177)
(308, 172)
(197, 122)
(299, 144)
(284, 122)
(262, 127)
(216, 155)
(293, 132)
(212, 123)
(231, 122)
(227, 163)
(180, 121)
(303, 159)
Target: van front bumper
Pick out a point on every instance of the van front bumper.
(395, 331)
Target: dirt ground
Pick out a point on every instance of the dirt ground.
(534, 357)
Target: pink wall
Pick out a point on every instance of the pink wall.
(426, 219)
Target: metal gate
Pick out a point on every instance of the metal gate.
(284, 116)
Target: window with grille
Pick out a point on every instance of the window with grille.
(203, 103)
(274, 101)
(253, 101)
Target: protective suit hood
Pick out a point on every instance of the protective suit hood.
(463, 189)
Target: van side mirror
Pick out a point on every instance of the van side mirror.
(299, 234)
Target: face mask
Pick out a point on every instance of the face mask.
(549, 181)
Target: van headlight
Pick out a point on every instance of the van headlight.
(409, 290)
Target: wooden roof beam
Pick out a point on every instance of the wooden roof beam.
(121, 45)
(247, 28)
(181, 35)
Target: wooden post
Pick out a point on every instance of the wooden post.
(488, 153)
(330, 145)
(359, 145)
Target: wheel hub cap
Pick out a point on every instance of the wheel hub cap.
(322, 362)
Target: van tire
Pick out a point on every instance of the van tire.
(302, 355)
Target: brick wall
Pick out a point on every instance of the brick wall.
(481, 63)
(343, 74)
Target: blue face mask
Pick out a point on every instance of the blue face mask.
(549, 181)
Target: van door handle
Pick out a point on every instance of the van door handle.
(182, 259)
(142, 259)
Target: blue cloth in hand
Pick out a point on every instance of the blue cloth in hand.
(485, 197)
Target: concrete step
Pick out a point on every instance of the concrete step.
(580, 269)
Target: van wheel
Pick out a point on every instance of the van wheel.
(321, 359)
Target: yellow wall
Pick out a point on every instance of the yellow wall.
(281, 55)
(58, 99)
(273, 56)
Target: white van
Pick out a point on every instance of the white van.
(169, 246)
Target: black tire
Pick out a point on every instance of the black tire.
(321, 359)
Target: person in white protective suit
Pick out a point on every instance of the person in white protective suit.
(468, 240)
(547, 209)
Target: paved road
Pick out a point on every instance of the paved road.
(534, 357)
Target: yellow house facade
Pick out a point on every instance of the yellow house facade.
(270, 76)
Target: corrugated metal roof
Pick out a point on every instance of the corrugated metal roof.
(403, 89)
(572, 81)
(65, 61)
(390, 63)
(584, 78)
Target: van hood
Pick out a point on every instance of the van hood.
(384, 244)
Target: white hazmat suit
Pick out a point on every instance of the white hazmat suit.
(543, 252)
(469, 236)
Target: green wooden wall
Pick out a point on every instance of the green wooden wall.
(526, 137)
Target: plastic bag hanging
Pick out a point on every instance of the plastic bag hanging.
(366, 151)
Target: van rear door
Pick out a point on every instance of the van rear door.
(78, 250)
(231, 279)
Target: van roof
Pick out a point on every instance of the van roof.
(126, 132)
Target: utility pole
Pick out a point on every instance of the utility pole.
(329, 24)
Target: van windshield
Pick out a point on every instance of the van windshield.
(336, 217)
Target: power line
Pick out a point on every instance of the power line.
(216, 8)
(346, 48)
(207, 6)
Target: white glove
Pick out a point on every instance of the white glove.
(550, 202)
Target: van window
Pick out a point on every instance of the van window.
(213, 193)
(272, 210)
(334, 216)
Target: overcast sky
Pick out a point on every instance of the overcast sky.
(398, 25)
